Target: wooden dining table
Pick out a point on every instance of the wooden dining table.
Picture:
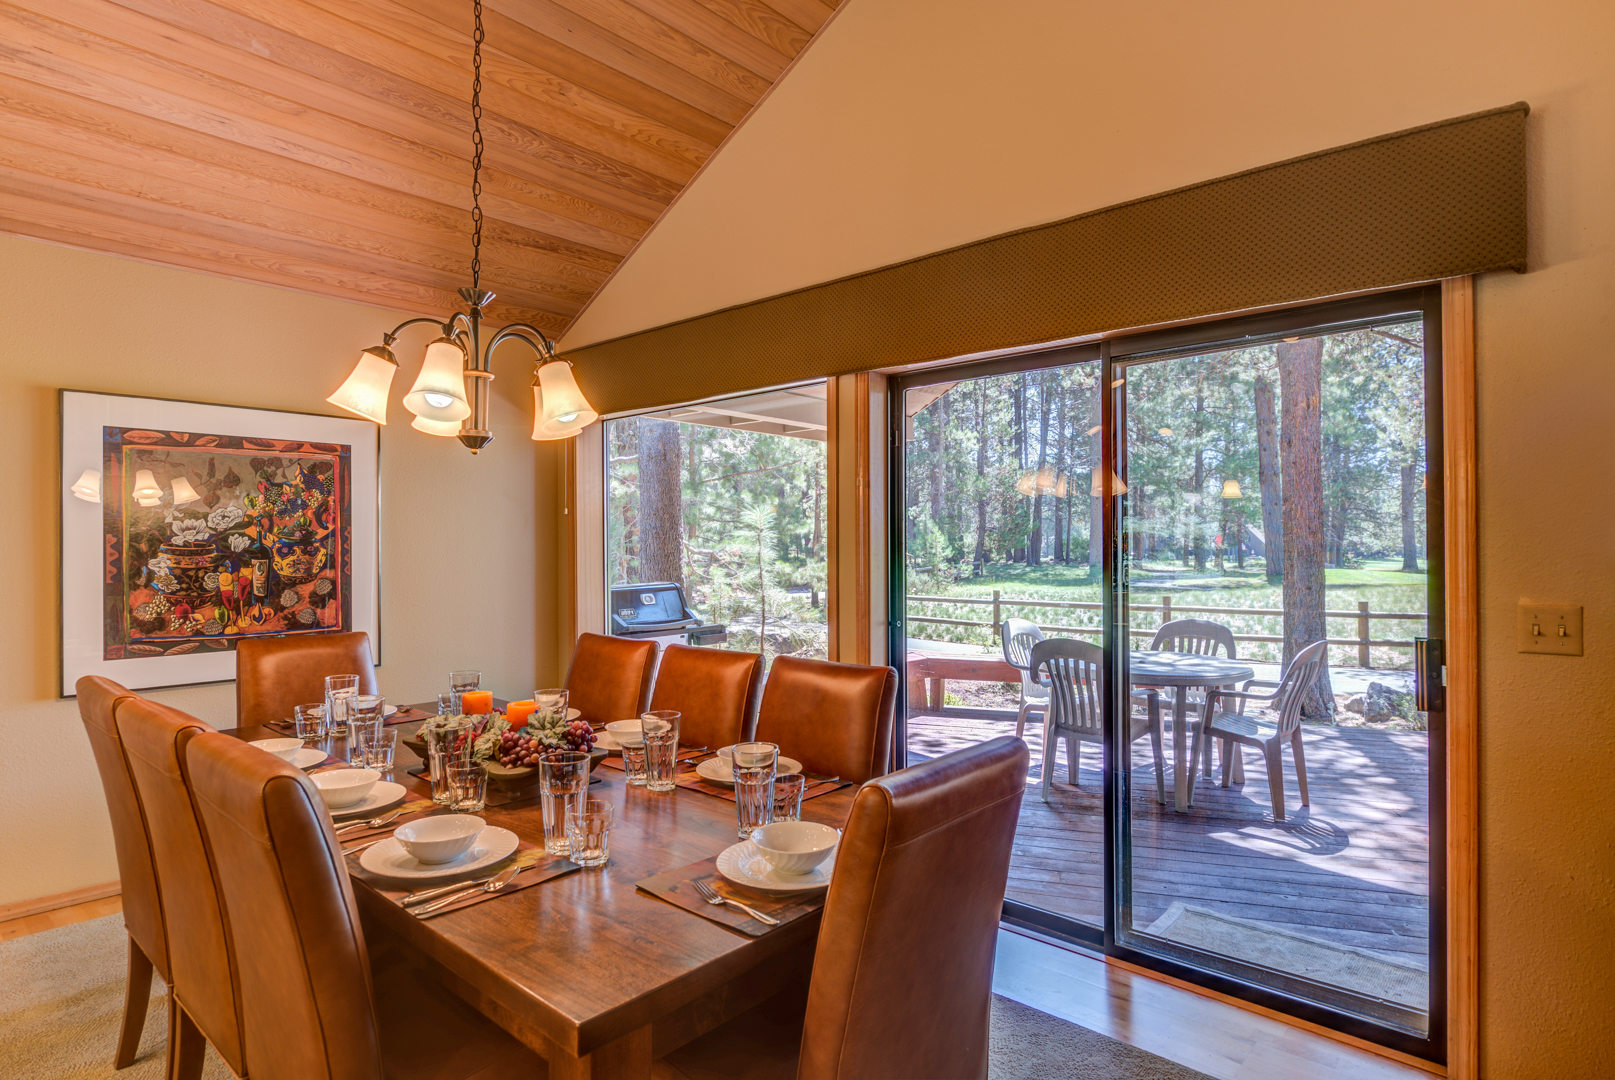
(594, 975)
(1181, 672)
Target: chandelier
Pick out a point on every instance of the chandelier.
(457, 360)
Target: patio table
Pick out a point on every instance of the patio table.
(1182, 672)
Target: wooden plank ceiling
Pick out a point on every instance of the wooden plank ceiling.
(324, 145)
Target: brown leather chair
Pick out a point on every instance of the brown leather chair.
(610, 677)
(903, 975)
(142, 907)
(836, 719)
(199, 954)
(273, 674)
(309, 1002)
(714, 691)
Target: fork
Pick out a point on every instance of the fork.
(712, 896)
(373, 823)
(453, 898)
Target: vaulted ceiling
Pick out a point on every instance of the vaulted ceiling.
(324, 145)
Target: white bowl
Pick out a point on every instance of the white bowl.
(439, 839)
(795, 847)
(620, 728)
(344, 787)
(285, 749)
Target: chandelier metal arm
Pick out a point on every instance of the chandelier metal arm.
(388, 339)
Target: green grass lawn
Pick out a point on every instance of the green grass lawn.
(1381, 582)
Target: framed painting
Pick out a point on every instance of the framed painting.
(187, 527)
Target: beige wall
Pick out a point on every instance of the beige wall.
(467, 563)
(918, 124)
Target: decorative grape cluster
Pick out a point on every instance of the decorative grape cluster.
(520, 748)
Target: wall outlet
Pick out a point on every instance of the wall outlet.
(1550, 628)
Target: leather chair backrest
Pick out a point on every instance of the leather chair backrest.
(273, 674)
(610, 677)
(714, 690)
(199, 952)
(836, 719)
(306, 997)
(903, 975)
(142, 907)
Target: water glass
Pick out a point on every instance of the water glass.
(440, 752)
(661, 729)
(755, 765)
(563, 781)
(448, 704)
(309, 722)
(633, 759)
(468, 785)
(361, 734)
(788, 797)
(550, 703)
(588, 831)
(378, 749)
(460, 682)
(340, 691)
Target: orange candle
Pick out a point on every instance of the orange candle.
(517, 712)
(476, 702)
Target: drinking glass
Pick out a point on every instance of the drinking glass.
(440, 752)
(563, 780)
(460, 682)
(661, 729)
(468, 785)
(365, 726)
(788, 797)
(588, 831)
(448, 704)
(551, 703)
(633, 759)
(755, 764)
(340, 691)
(379, 748)
(309, 722)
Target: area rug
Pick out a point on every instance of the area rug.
(61, 1001)
(1028, 1044)
(1297, 954)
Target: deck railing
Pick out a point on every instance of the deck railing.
(1364, 616)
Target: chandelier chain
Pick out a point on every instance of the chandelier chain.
(476, 147)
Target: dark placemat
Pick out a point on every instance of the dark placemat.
(539, 869)
(405, 715)
(687, 777)
(677, 887)
(409, 810)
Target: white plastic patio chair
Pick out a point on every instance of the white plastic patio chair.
(1202, 637)
(1018, 637)
(1074, 674)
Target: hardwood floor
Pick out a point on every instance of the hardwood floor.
(1203, 1033)
(1351, 870)
(67, 916)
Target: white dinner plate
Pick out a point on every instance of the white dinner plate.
(306, 757)
(714, 769)
(389, 710)
(384, 796)
(744, 864)
(389, 858)
(607, 740)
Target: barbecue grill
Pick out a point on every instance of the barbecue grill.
(657, 610)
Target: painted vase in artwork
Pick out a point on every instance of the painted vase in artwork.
(299, 556)
(181, 570)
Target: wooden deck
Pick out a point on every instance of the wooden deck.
(1352, 869)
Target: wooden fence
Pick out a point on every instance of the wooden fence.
(1364, 616)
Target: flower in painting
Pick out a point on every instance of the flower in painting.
(306, 616)
(238, 542)
(191, 532)
(224, 517)
(289, 598)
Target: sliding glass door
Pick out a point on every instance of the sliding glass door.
(1205, 505)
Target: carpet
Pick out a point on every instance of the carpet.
(1027, 1044)
(1297, 954)
(61, 1001)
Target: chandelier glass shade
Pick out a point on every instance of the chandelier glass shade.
(365, 391)
(566, 411)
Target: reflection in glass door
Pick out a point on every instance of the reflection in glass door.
(1271, 507)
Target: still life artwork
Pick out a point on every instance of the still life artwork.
(245, 537)
(190, 527)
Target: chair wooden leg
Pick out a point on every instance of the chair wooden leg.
(136, 1003)
(1275, 777)
(187, 1049)
(1300, 765)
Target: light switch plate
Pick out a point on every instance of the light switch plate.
(1550, 628)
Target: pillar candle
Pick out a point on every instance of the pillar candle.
(518, 712)
(476, 702)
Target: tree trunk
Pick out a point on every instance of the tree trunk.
(1267, 458)
(980, 559)
(1301, 388)
(1197, 500)
(661, 502)
(818, 531)
(1096, 503)
(1034, 546)
(1410, 540)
